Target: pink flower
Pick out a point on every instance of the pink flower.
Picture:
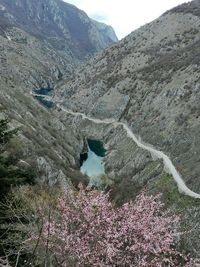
(89, 230)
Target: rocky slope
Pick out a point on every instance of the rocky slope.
(151, 80)
(106, 29)
(44, 142)
(62, 25)
(43, 41)
(40, 42)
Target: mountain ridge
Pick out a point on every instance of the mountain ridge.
(59, 20)
(149, 80)
(132, 78)
(32, 57)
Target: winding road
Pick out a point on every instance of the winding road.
(169, 167)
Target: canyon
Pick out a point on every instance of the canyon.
(103, 89)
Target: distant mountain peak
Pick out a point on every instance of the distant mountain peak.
(52, 19)
(107, 30)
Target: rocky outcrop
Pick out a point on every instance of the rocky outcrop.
(106, 29)
(31, 63)
(61, 25)
(40, 43)
(43, 142)
(151, 80)
(43, 41)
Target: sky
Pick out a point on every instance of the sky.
(125, 15)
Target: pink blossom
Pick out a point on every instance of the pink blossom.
(89, 230)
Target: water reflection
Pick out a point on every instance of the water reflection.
(93, 164)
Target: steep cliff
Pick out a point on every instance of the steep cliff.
(62, 25)
(40, 43)
(151, 80)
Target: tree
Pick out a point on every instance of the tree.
(5, 133)
(87, 230)
(10, 174)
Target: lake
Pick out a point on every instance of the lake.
(92, 162)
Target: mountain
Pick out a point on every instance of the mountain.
(63, 25)
(40, 43)
(106, 29)
(48, 38)
(151, 81)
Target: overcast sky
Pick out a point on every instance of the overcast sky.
(125, 15)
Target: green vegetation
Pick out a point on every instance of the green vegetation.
(186, 207)
(171, 195)
(10, 174)
(124, 190)
(5, 133)
(46, 103)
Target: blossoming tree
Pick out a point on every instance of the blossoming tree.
(87, 230)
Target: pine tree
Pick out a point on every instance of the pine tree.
(10, 174)
(5, 133)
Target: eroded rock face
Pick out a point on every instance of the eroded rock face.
(149, 80)
(31, 63)
(44, 142)
(106, 29)
(41, 42)
(154, 72)
(62, 25)
(123, 159)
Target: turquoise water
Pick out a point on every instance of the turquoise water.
(44, 102)
(93, 166)
(97, 147)
(44, 91)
